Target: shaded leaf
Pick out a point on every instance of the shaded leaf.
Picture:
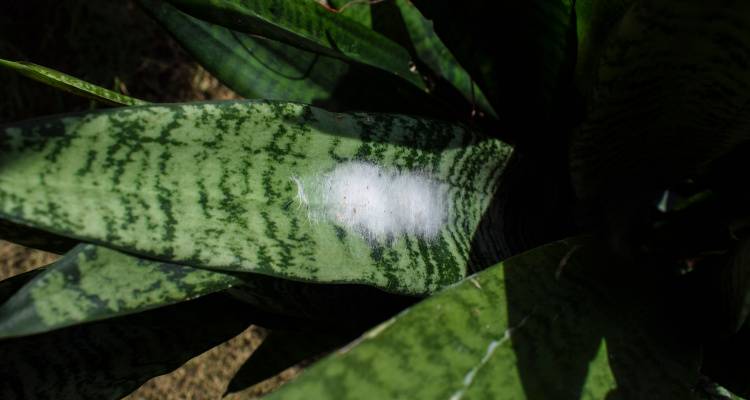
(401, 21)
(281, 350)
(308, 25)
(522, 58)
(725, 361)
(538, 326)
(91, 283)
(35, 238)
(69, 83)
(257, 67)
(431, 50)
(683, 81)
(110, 359)
(11, 285)
(343, 307)
(595, 20)
(242, 186)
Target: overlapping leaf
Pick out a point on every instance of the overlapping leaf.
(308, 25)
(431, 50)
(422, 39)
(213, 185)
(251, 65)
(540, 325)
(92, 283)
(69, 84)
(521, 57)
(257, 67)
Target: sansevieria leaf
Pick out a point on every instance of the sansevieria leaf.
(307, 24)
(280, 189)
(258, 67)
(431, 50)
(69, 83)
(92, 283)
(251, 65)
(421, 38)
(537, 326)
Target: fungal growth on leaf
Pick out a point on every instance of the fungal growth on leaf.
(375, 202)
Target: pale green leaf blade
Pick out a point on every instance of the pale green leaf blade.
(92, 283)
(307, 24)
(557, 322)
(69, 84)
(243, 186)
(109, 359)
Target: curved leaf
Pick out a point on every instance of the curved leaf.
(422, 40)
(69, 83)
(308, 25)
(522, 58)
(256, 67)
(91, 283)
(538, 326)
(251, 65)
(431, 50)
(109, 359)
(246, 186)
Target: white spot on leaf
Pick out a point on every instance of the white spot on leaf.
(375, 202)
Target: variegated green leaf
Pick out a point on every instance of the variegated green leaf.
(265, 187)
(107, 360)
(257, 67)
(308, 25)
(425, 43)
(69, 83)
(251, 65)
(431, 50)
(92, 283)
(538, 326)
(420, 38)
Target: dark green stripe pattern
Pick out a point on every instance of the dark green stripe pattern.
(538, 326)
(212, 185)
(92, 283)
(308, 25)
(251, 65)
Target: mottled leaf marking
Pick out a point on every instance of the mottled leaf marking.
(92, 283)
(518, 331)
(210, 185)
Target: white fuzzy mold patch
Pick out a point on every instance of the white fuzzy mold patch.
(375, 202)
